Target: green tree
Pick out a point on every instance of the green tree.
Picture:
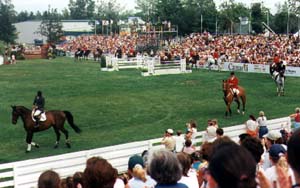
(7, 29)
(109, 11)
(22, 16)
(38, 15)
(82, 9)
(90, 9)
(230, 12)
(51, 26)
(145, 9)
(256, 18)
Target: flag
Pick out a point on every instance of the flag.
(111, 21)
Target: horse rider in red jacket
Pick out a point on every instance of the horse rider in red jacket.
(233, 83)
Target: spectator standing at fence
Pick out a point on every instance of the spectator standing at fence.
(262, 124)
(188, 147)
(99, 173)
(251, 126)
(49, 179)
(136, 169)
(179, 139)
(165, 169)
(210, 135)
(168, 140)
(296, 118)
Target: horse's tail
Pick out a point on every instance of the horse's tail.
(70, 120)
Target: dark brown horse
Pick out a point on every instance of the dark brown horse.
(55, 119)
(229, 98)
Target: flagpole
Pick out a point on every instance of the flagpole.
(95, 27)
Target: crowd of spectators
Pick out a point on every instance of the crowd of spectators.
(197, 47)
(253, 161)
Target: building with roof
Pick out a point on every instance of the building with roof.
(27, 32)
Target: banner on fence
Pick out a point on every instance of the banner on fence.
(257, 68)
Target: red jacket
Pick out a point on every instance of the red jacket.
(233, 82)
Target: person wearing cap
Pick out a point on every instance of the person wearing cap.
(168, 140)
(296, 117)
(262, 124)
(277, 157)
(233, 82)
(273, 137)
(136, 169)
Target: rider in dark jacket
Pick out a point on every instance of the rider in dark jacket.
(38, 104)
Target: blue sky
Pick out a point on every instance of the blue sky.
(42, 5)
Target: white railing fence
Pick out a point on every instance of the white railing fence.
(24, 174)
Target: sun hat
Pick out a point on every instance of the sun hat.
(170, 131)
(273, 135)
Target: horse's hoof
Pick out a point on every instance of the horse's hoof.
(37, 146)
(55, 146)
(68, 145)
(27, 151)
(238, 111)
(243, 113)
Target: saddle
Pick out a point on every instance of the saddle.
(38, 113)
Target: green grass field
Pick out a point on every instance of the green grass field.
(120, 107)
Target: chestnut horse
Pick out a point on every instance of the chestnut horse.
(55, 119)
(229, 98)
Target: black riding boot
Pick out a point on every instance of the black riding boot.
(36, 122)
(235, 96)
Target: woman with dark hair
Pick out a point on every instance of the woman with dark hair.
(189, 175)
(251, 126)
(49, 179)
(165, 169)
(99, 173)
(232, 166)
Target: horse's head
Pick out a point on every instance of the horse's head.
(15, 114)
(225, 85)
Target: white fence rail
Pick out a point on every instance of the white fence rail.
(24, 174)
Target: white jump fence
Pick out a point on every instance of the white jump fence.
(115, 64)
(154, 67)
(24, 174)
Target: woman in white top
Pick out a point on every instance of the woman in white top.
(251, 126)
(262, 124)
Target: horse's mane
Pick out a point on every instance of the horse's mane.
(22, 108)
